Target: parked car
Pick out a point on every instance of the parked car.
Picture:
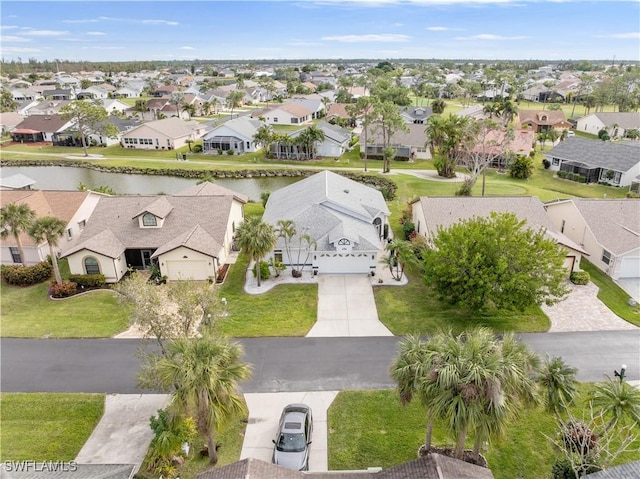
(571, 133)
(293, 437)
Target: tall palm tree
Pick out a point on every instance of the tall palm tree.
(15, 219)
(264, 137)
(313, 135)
(49, 229)
(256, 238)
(558, 381)
(617, 399)
(204, 373)
(400, 254)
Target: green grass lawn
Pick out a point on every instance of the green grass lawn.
(371, 428)
(616, 299)
(47, 427)
(27, 312)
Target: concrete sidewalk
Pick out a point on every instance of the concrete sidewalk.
(264, 415)
(123, 434)
(347, 307)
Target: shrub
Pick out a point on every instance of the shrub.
(27, 275)
(408, 228)
(67, 288)
(88, 280)
(521, 167)
(197, 148)
(580, 277)
(546, 163)
(230, 152)
(220, 151)
(465, 188)
(264, 270)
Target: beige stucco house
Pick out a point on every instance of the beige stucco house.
(188, 235)
(165, 134)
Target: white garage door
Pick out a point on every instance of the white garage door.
(196, 270)
(629, 268)
(335, 263)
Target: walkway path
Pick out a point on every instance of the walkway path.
(583, 311)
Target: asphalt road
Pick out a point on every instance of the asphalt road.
(280, 364)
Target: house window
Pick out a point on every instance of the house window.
(606, 256)
(15, 254)
(82, 224)
(344, 241)
(248, 144)
(555, 161)
(149, 220)
(275, 120)
(562, 227)
(294, 120)
(91, 265)
(277, 256)
(69, 233)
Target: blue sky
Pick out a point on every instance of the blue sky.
(377, 29)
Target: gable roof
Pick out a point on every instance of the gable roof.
(172, 127)
(627, 120)
(159, 207)
(113, 225)
(294, 109)
(541, 117)
(246, 127)
(42, 123)
(16, 182)
(212, 189)
(630, 470)
(618, 156)
(415, 136)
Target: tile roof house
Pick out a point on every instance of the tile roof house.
(433, 466)
(236, 135)
(165, 134)
(9, 120)
(189, 235)
(408, 144)
(617, 124)
(542, 120)
(613, 162)
(72, 207)
(609, 230)
(38, 128)
(347, 220)
(288, 114)
(430, 214)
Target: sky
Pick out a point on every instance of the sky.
(320, 29)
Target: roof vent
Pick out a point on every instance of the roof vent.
(346, 191)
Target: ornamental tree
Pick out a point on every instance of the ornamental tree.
(89, 117)
(495, 262)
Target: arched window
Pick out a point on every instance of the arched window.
(344, 241)
(91, 265)
(149, 220)
(378, 224)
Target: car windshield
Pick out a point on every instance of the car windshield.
(288, 442)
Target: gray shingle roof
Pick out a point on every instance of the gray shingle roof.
(627, 120)
(246, 127)
(615, 223)
(113, 226)
(414, 136)
(618, 156)
(630, 470)
(159, 207)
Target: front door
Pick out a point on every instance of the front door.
(146, 257)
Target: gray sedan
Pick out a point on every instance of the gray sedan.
(294, 437)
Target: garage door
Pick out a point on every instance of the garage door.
(196, 270)
(335, 263)
(629, 268)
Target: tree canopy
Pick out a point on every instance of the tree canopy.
(89, 117)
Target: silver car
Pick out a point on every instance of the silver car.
(293, 438)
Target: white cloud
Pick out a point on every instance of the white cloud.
(96, 33)
(13, 39)
(46, 33)
(159, 22)
(86, 20)
(186, 48)
(8, 27)
(624, 36)
(492, 38)
(368, 38)
(438, 29)
(103, 48)
(19, 50)
(303, 44)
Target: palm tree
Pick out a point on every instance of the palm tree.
(312, 135)
(438, 105)
(204, 373)
(617, 399)
(558, 381)
(400, 254)
(234, 100)
(256, 238)
(264, 137)
(15, 219)
(49, 229)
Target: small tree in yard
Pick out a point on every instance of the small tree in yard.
(287, 231)
(49, 229)
(496, 262)
(89, 117)
(400, 255)
(521, 167)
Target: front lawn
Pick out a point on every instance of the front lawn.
(47, 427)
(372, 429)
(27, 312)
(616, 298)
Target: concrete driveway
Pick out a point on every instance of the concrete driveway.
(123, 434)
(631, 286)
(346, 307)
(264, 414)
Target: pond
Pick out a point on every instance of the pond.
(68, 178)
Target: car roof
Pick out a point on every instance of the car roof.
(293, 421)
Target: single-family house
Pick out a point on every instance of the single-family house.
(37, 128)
(16, 182)
(346, 219)
(288, 114)
(335, 143)
(9, 120)
(542, 120)
(127, 92)
(416, 114)
(313, 103)
(58, 94)
(47, 107)
(113, 105)
(72, 207)
(615, 163)
(408, 144)
(164, 91)
(71, 136)
(188, 235)
(609, 230)
(93, 92)
(430, 214)
(617, 124)
(337, 112)
(236, 135)
(165, 134)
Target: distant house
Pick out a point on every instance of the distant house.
(9, 120)
(93, 92)
(288, 114)
(430, 214)
(114, 105)
(127, 92)
(616, 163)
(617, 124)
(416, 114)
(346, 219)
(236, 135)
(166, 134)
(335, 143)
(71, 136)
(188, 235)
(72, 207)
(543, 120)
(47, 107)
(408, 144)
(312, 103)
(39, 128)
(58, 94)
(609, 230)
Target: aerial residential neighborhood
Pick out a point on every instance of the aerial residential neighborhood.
(259, 239)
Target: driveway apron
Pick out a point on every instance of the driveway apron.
(346, 307)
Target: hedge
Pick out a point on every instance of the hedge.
(580, 277)
(88, 280)
(26, 275)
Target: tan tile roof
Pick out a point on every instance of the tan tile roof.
(295, 109)
(541, 117)
(211, 189)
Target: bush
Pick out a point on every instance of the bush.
(27, 275)
(197, 148)
(67, 288)
(580, 277)
(408, 228)
(521, 167)
(546, 163)
(88, 280)
(264, 270)
(465, 188)
(220, 151)
(230, 152)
